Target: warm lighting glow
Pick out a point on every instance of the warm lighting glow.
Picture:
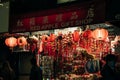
(45, 38)
(107, 39)
(22, 41)
(11, 42)
(52, 37)
(100, 34)
(87, 34)
(76, 36)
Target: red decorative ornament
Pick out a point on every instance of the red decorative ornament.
(11, 42)
(41, 47)
(87, 34)
(52, 37)
(22, 41)
(76, 36)
(100, 34)
(45, 38)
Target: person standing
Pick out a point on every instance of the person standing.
(108, 70)
(36, 72)
(7, 73)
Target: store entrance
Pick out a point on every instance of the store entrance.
(67, 53)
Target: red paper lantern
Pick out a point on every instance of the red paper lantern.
(76, 36)
(87, 34)
(100, 34)
(52, 37)
(11, 42)
(22, 41)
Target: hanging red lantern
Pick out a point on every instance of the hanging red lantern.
(100, 34)
(11, 42)
(22, 41)
(87, 34)
(76, 36)
(52, 37)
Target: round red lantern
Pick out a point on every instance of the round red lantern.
(76, 36)
(87, 34)
(11, 42)
(100, 34)
(22, 41)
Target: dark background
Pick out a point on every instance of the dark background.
(26, 6)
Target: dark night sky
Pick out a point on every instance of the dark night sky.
(26, 6)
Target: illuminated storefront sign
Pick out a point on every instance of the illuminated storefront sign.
(67, 17)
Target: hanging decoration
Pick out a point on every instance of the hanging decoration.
(22, 41)
(100, 34)
(117, 38)
(45, 38)
(32, 39)
(87, 34)
(11, 42)
(76, 36)
(107, 39)
(52, 37)
(40, 47)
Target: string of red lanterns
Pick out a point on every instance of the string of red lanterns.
(98, 34)
(12, 41)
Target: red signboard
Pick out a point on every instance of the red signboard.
(89, 13)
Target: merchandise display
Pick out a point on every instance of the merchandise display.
(67, 54)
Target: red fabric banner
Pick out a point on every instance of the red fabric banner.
(75, 15)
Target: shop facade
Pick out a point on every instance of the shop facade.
(62, 40)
